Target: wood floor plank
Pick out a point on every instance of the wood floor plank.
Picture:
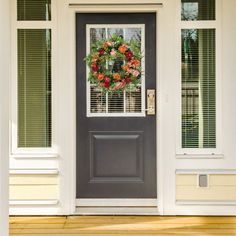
(130, 231)
(125, 226)
(122, 225)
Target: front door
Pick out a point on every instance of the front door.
(116, 138)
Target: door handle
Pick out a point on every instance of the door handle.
(151, 102)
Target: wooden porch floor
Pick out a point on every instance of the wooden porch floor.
(121, 225)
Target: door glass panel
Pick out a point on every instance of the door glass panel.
(131, 101)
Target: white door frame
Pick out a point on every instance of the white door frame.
(4, 113)
(67, 67)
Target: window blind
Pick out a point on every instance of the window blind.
(198, 10)
(31, 10)
(198, 88)
(34, 88)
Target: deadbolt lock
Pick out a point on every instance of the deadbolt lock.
(151, 102)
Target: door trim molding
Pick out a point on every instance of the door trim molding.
(115, 4)
(67, 72)
(116, 202)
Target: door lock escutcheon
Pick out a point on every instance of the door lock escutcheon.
(151, 103)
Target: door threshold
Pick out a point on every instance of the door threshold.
(116, 211)
(116, 202)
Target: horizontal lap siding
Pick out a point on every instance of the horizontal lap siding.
(222, 187)
(33, 187)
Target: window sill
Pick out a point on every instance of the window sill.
(34, 155)
(199, 156)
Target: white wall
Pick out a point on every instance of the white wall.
(4, 108)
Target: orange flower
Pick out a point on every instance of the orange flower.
(126, 68)
(122, 49)
(116, 77)
(100, 76)
(135, 62)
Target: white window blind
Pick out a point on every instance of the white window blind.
(198, 88)
(34, 88)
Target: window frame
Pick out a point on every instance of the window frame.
(16, 151)
(142, 113)
(203, 24)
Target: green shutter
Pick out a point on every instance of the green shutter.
(198, 88)
(34, 88)
(31, 10)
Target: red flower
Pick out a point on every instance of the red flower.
(107, 79)
(101, 52)
(128, 80)
(129, 55)
(107, 82)
(94, 66)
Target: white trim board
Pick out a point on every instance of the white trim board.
(32, 202)
(4, 114)
(116, 202)
(207, 203)
(34, 171)
(116, 211)
(205, 171)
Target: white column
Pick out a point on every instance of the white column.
(4, 112)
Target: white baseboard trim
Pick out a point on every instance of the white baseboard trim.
(117, 211)
(209, 203)
(116, 202)
(35, 210)
(205, 171)
(202, 210)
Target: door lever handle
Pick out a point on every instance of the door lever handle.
(151, 103)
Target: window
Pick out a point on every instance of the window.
(34, 75)
(130, 102)
(31, 10)
(34, 87)
(198, 88)
(198, 73)
(198, 10)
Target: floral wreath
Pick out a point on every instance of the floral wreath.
(115, 64)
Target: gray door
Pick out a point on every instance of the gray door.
(116, 154)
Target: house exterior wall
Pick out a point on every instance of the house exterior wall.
(221, 188)
(36, 187)
(45, 183)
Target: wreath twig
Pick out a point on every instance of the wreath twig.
(115, 64)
